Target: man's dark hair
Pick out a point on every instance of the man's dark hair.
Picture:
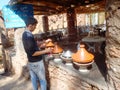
(30, 20)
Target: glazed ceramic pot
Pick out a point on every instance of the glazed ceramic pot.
(50, 44)
(66, 56)
(82, 56)
(57, 49)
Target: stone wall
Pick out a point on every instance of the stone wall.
(19, 60)
(65, 77)
(62, 80)
(113, 43)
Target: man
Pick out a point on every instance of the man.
(34, 54)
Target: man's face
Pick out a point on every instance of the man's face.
(33, 27)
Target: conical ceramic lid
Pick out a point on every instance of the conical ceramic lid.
(67, 54)
(82, 55)
(57, 48)
(50, 44)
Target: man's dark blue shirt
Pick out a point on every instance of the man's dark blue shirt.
(30, 46)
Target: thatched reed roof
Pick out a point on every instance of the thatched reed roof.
(49, 7)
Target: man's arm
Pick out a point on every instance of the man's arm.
(37, 53)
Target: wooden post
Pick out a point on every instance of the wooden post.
(71, 20)
(45, 23)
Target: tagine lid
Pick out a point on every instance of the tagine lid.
(67, 54)
(50, 44)
(82, 55)
(57, 48)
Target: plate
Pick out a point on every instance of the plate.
(83, 64)
(66, 59)
(57, 59)
(63, 57)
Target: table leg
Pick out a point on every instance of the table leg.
(91, 47)
(98, 47)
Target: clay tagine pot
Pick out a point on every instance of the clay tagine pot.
(50, 44)
(66, 56)
(82, 56)
(57, 49)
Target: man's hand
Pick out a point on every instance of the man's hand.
(48, 40)
(49, 50)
